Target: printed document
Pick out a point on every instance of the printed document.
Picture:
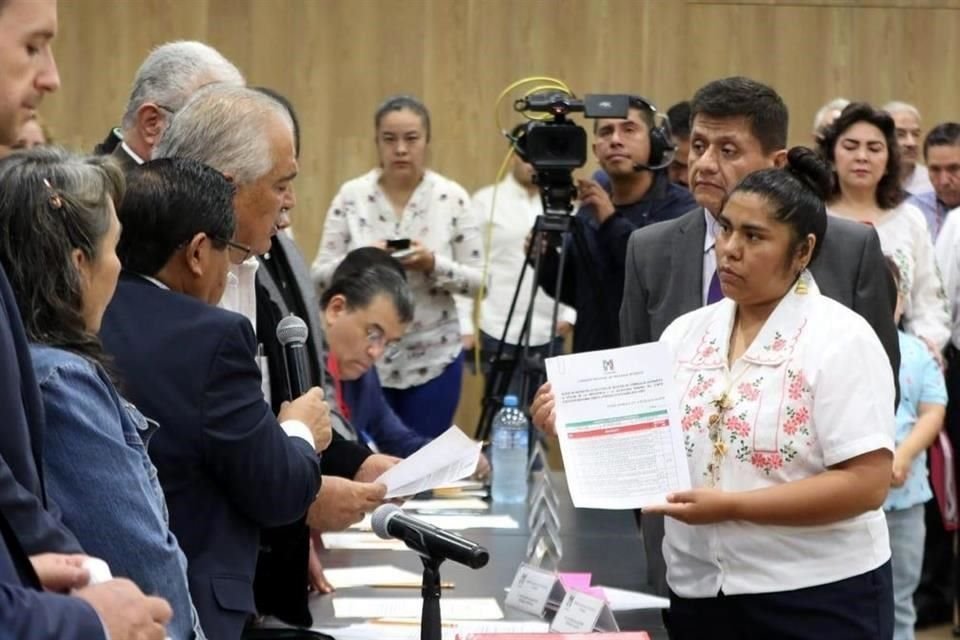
(620, 436)
(448, 457)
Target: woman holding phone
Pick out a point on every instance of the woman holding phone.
(424, 220)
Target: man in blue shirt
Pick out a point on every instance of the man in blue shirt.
(941, 152)
(629, 151)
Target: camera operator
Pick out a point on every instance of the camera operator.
(639, 194)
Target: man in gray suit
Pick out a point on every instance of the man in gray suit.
(738, 126)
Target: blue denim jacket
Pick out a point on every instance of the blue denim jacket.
(97, 470)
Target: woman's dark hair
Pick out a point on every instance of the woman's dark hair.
(51, 203)
(894, 271)
(168, 202)
(399, 103)
(283, 100)
(366, 273)
(889, 192)
(797, 193)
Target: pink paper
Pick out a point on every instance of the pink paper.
(581, 582)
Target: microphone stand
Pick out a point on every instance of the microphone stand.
(430, 627)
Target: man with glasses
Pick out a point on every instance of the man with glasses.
(365, 312)
(164, 82)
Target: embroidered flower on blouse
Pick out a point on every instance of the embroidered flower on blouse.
(749, 390)
(701, 387)
(766, 462)
(778, 343)
(798, 384)
(691, 417)
(738, 426)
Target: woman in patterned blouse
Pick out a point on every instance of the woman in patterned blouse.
(786, 403)
(861, 144)
(402, 199)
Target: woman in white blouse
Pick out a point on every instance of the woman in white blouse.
(786, 403)
(403, 200)
(861, 144)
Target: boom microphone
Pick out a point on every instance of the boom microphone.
(292, 333)
(390, 521)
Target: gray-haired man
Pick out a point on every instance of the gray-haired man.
(172, 73)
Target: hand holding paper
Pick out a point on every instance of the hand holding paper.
(448, 457)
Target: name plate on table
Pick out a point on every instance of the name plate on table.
(583, 613)
(533, 589)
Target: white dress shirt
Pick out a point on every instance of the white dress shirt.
(919, 181)
(814, 389)
(508, 225)
(948, 260)
(438, 215)
(709, 253)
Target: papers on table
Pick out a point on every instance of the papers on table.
(450, 608)
(448, 457)
(623, 600)
(447, 504)
(455, 522)
(620, 436)
(361, 540)
(382, 575)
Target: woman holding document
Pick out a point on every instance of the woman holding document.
(786, 402)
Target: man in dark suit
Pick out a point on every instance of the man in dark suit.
(22, 495)
(738, 126)
(220, 451)
(163, 84)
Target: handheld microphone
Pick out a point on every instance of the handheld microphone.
(292, 333)
(390, 521)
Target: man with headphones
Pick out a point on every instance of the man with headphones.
(634, 153)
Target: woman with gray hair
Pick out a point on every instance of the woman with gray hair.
(425, 220)
(58, 239)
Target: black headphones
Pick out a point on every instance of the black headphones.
(662, 146)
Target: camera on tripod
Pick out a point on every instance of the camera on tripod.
(557, 146)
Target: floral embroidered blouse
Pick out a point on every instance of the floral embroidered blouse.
(439, 216)
(813, 389)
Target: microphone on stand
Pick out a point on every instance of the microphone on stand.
(292, 333)
(390, 521)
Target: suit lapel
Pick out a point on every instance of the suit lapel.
(686, 289)
(301, 274)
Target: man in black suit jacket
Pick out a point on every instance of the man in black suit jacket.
(738, 126)
(227, 465)
(22, 495)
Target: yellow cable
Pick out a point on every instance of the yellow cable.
(552, 84)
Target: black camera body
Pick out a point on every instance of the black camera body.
(557, 146)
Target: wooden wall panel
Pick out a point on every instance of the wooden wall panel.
(337, 59)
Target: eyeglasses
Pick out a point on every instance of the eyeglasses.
(239, 253)
(377, 340)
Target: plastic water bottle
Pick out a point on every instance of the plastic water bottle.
(511, 437)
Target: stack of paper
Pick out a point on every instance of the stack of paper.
(383, 575)
(447, 504)
(449, 457)
(361, 540)
(457, 522)
(404, 608)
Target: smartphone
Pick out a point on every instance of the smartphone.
(398, 244)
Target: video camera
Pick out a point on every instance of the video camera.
(557, 146)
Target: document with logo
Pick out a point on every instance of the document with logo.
(620, 436)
